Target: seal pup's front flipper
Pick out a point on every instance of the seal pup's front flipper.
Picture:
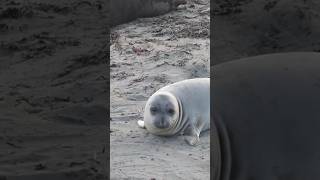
(191, 135)
(192, 132)
(141, 124)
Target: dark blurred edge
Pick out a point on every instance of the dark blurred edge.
(211, 85)
(108, 91)
(74, 175)
(252, 32)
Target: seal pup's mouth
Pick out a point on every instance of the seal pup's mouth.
(162, 124)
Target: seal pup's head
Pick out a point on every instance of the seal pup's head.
(161, 113)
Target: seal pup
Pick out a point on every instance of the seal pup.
(267, 113)
(122, 11)
(179, 108)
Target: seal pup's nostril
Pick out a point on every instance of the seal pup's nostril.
(162, 122)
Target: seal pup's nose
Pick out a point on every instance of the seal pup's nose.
(162, 123)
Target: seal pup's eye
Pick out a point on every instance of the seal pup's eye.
(153, 109)
(171, 111)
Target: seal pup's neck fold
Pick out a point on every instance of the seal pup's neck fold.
(179, 122)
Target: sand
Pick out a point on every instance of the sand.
(53, 89)
(147, 54)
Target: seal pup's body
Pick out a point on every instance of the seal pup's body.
(179, 108)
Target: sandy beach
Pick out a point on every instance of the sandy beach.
(147, 54)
